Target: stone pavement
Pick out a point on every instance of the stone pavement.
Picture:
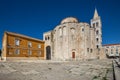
(117, 69)
(54, 70)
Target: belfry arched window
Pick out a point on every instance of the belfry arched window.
(97, 32)
(97, 24)
(97, 39)
(93, 25)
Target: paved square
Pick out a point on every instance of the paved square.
(50, 70)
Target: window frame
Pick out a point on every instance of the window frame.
(97, 24)
(17, 51)
(39, 46)
(29, 44)
(29, 52)
(39, 53)
(17, 42)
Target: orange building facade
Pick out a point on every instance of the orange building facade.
(19, 46)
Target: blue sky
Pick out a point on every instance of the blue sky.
(34, 17)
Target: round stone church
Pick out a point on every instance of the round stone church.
(74, 40)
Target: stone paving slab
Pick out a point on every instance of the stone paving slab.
(56, 70)
(116, 69)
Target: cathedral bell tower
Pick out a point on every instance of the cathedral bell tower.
(97, 25)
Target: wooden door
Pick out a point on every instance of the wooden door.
(73, 54)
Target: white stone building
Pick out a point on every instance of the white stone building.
(112, 50)
(72, 39)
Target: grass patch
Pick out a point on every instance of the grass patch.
(104, 78)
(95, 77)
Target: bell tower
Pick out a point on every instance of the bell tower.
(97, 25)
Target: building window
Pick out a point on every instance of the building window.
(116, 50)
(106, 51)
(97, 24)
(111, 51)
(97, 32)
(29, 52)
(82, 29)
(39, 46)
(91, 50)
(93, 25)
(64, 30)
(39, 53)
(97, 46)
(17, 42)
(112, 47)
(29, 44)
(72, 30)
(17, 51)
(60, 31)
(97, 39)
(48, 37)
(45, 38)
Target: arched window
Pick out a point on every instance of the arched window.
(60, 31)
(48, 37)
(91, 50)
(97, 24)
(97, 32)
(82, 29)
(93, 25)
(97, 39)
(72, 30)
(97, 46)
(45, 38)
(64, 30)
(72, 33)
(54, 34)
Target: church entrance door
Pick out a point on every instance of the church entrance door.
(73, 54)
(48, 52)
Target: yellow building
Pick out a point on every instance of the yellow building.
(19, 46)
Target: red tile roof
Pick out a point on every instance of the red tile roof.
(111, 44)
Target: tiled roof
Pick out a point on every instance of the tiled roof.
(111, 44)
(24, 36)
